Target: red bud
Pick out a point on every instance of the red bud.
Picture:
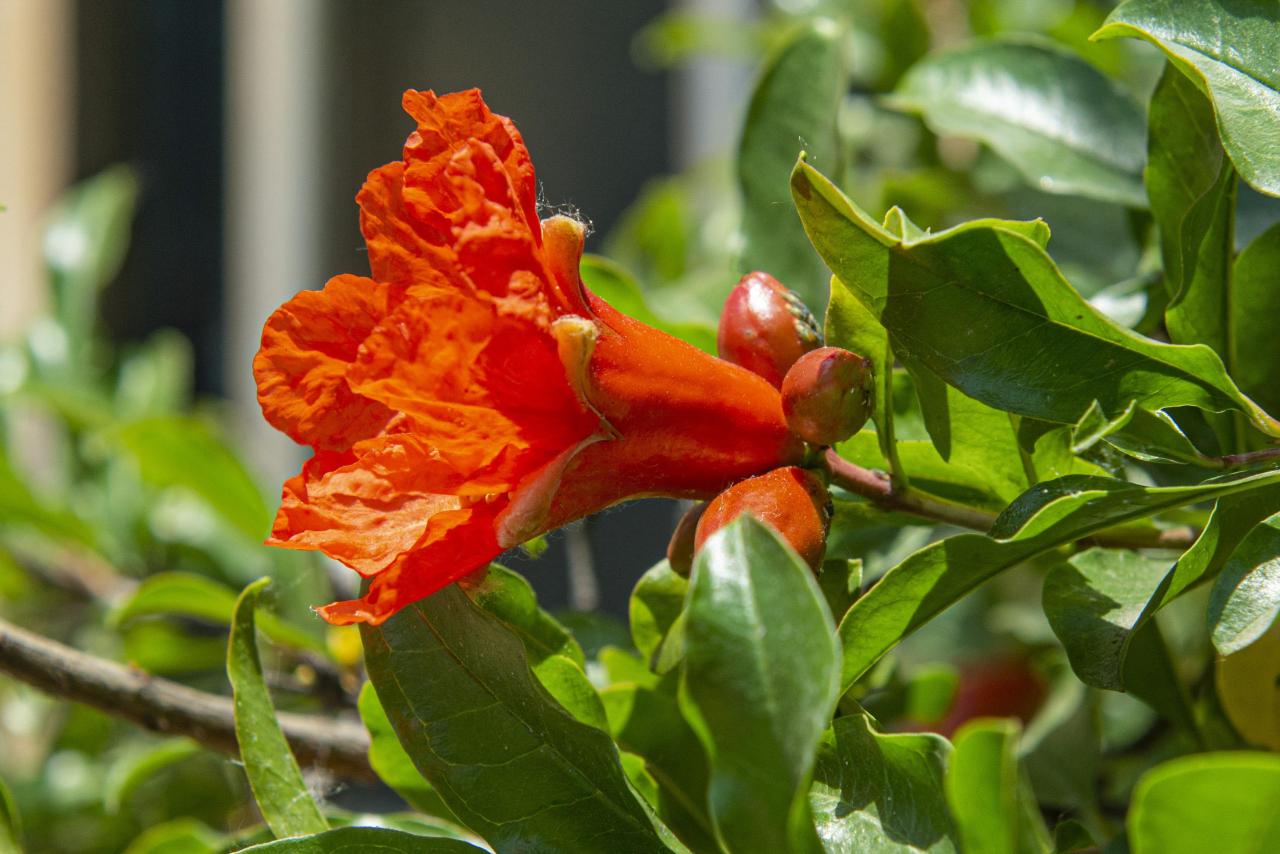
(792, 501)
(680, 549)
(765, 327)
(826, 396)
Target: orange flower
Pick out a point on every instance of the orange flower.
(472, 394)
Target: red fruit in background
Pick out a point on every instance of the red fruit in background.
(792, 501)
(765, 327)
(1006, 686)
(826, 395)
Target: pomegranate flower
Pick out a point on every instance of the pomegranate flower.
(471, 393)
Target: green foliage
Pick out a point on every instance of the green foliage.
(760, 683)
(273, 773)
(1065, 126)
(987, 795)
(346, 839)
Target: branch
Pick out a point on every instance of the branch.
(879, 490)
(159, 705)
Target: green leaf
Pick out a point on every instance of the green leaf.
(350, 840)
(1245, 599)
(880, 794)
(647, 722)
(183, 452)
(1228, 47)
(392, 765)
(456, 685)
(509, 597)
(178, 836)
(1209, 802)
(759, 685)
(1094, 603)
(84, 245)
(1256, 301)
(793, 109)
(987, 796)
(566, 681)
(1059, 748)
(273, 773)
(613, 284)
(19, 507)
(1059, 121)
(136, 768)
(1000, 322)
(185, 594)
(10, 822)
(1192, 189)
(1144, 435)
(656, 602)
(1045, 517)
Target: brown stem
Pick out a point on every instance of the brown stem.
(879, 490)
(1230, 461)
(339, 747)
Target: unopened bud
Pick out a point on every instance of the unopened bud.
(792, 501)
(765, 327)
(680, 549)
(826, 396)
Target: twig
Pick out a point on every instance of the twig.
(879, 490)
(339, 747)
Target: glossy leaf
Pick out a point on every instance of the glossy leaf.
(1192, 189)
(656, 602)
(1209, 802)
(273, 773)
(1229, 47)
(760, 684)
(1245, 600)
(876, 793)
(185, 594)
(350, 840)
(456, 685)
(987, 797)
(1000, 322)
(613, 284)
(1139, 433)
(1256, 303)
(389, 761)
(793, 109)
(1063, 125)
(1045, 517)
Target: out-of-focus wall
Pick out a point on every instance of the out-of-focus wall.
(35, 144)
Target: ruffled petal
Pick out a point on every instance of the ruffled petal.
(370, 505)
(475, 383)
(457, 543)
(308, 345)
(403, 250)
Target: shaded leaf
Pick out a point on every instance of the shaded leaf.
(1063, 125)
(1256, 303)
(1000, 322)
(987, 796)
(392, 765)
(759, 684)
(456, 685)
(1229, 48)
(875, 793)
(273, 773)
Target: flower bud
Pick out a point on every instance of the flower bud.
(680, 549)
(792, 501)
(826, 396)
(765, 327)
